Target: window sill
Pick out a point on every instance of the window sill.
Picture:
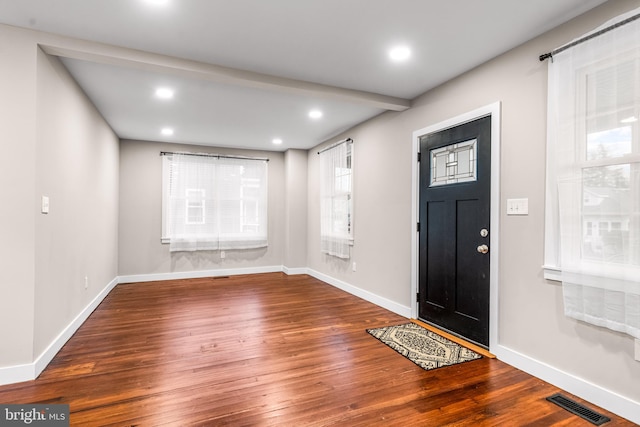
(167, 240)
(348, 239)
(552, 272)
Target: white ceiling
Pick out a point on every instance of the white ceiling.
(247, 71)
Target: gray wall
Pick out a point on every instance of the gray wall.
(295, 252)
(382, 211)
(77, 168)
(56, 144)
(530, 308)
(17, 182)
(141, 251)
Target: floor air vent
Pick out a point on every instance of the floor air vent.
(578, 409)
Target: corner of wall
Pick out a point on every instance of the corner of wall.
(30, 371)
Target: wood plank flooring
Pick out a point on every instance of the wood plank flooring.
(269, 350)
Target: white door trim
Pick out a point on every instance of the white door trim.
(492, 110)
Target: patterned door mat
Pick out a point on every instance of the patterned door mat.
(423, 347)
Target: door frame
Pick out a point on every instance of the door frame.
(493, 110)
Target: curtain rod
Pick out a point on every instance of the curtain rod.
(335, 144)
(170, 153)
(589, 37)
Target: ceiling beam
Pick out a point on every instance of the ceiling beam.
(66, 47)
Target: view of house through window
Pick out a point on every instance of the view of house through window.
(195, 204)
(593, 177)
(336, 201)
(607, 198)
(212, 202)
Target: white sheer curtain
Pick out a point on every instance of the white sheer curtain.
(593, 177)
(191, 220)
(242, 203)
(336, 219)
(216, 203)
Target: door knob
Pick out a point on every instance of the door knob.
(483, 249)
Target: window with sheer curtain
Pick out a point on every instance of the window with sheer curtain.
(212, 203)
(336, 202)
(593, 178)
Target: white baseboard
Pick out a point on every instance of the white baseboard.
(20, 373)
(592, 393)
(294, 271)
(393, 306)
(198, 274)
(47, 356)
(17, 373)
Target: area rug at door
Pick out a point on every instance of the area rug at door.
(423, 347)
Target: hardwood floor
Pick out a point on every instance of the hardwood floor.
(269, 350)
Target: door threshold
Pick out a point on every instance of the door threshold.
(480, 350)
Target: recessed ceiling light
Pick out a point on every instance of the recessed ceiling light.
(164, 93)
(631, 119)
(167, 131)
(158, 2)
(277, 141)
(315, 114)
(400, 53)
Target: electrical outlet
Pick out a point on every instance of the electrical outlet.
(637, 350)
(353, 267)
(45, 205)
(86, 282)
(223, 254)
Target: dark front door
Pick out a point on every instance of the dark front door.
(455, 195)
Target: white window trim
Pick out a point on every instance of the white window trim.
(552, 269)
(350, 237)
(202, 206)
(165, 238)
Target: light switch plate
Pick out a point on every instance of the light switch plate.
(45, 205)
(517, 206)
(637, 350)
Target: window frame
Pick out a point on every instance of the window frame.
(200, 204)
(223, 236)
(552, 268)
(338, 196)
